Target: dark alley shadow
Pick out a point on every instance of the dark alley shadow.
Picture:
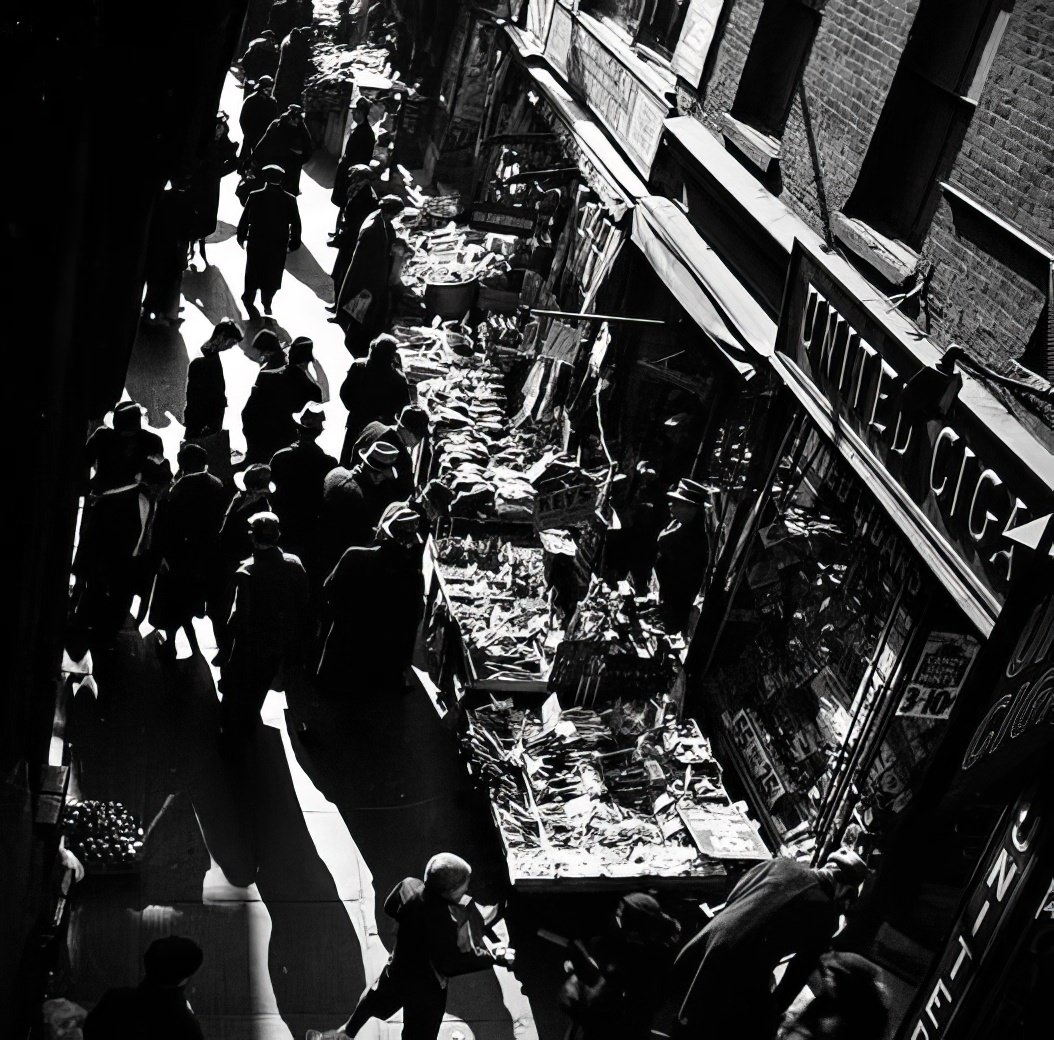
(209, 292)
(157, 373)
(303, 266)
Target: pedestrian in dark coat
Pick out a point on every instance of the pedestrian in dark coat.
(440, 936)
(267, 418)
(374, 599)
(374, 388)
(206, 386)
(267, 629)
(777, 908)
(187, 543)
(362, 304)
(157, 1007)
(166, 255)
(269, 229)
(203, 186)
(254, 491)
(682, 553)
(293, 58)
(286, 143)
(353, 501)
(358, 151)
(299, 473)
(618, 979)
(300, 385)
(259, 111)
(116, 455)
(408, 430)
(361, 202)
(260, 58)
(850, 1002)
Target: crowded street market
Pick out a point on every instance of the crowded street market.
(554, 538)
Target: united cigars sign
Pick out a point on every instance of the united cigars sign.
(996, 889)
(959, 484)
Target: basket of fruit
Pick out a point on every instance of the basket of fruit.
(105, 836)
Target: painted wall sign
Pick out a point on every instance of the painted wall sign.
(1008, 863)
(959, 483)
(505, 220)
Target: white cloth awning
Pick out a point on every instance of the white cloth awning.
(702, 284)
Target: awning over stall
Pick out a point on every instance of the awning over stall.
(702, 284)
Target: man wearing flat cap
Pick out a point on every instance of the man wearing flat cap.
(157, 1007)
(362, 304)
(269, 228)
(778, 908)
(374, 599)
(268, 627)
(440, 936)
(682, 552)
(408, 430)
(298, 473)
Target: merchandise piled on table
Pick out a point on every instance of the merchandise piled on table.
(498, 592)
(102, 833)
(581, 794)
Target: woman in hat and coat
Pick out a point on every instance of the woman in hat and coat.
(206, 386)
(269, 229)
(362, 304)
(374, 598)
(203, 185)
(267, 418)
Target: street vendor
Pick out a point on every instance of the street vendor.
(778, 908)
(683, 552)
(440, 936)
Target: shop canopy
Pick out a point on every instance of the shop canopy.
(703, 285)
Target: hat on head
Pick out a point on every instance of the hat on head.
(312, 416)
(293, 110)
(265, 81)
(127, 415)
(172, 959)
(641, 913)
(363, 104)
(228, 328)
(358, 170)
(391, 204)
(852, 870)
(691, 492)
(381, 456)
(399, 518)
(446, 872)
(300, 350)
(266, 341)
(192, 456)
(256, 477)
(273, 172)
(265, 526)
(415, 419)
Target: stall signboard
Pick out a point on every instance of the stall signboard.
(503, 220)
(953, 484)
(558, 42)
(939, 675)
(697, 36)
(996, 889)
(727, 834)
(747, 738)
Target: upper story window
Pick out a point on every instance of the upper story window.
(655, 23)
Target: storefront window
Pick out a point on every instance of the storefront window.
(829, 600)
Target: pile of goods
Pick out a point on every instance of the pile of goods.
(581, 793)
(102, 833)
(498, 591)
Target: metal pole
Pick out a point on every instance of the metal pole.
(576, 316)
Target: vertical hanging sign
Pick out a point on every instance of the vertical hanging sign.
(697, 36)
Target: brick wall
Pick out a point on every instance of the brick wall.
(986, 292)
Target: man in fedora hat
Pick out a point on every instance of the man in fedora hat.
(298, 473)
(408, 430)
(374, 599)
(206, 385)
(778, 908)
(158, 1006)
(682, 552)
(353, 500)
(259, 111)
(268, 627)
(269, 229)
(186, 543)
